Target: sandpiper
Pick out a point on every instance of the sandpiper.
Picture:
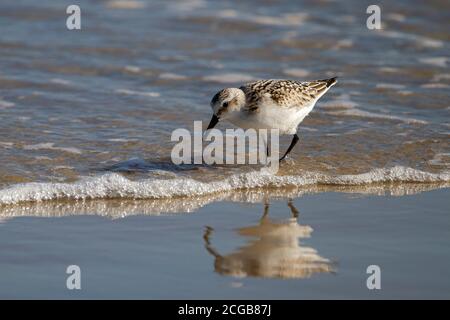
(269, 104)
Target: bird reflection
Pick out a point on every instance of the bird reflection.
(273, 252)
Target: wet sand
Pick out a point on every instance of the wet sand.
(317, 246)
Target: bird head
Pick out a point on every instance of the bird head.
(225, 104)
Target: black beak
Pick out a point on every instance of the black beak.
(213, 122)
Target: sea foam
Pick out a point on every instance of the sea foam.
(114, 185)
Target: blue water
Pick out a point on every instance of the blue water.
(118, 87)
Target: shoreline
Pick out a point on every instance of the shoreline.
(123, 207)
(401, 180)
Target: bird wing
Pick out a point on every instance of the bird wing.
(284, 93)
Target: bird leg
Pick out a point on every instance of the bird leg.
(266, 212)
(208, 246)
(293, 142)
(294, 210)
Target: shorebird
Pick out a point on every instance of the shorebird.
(269, 104)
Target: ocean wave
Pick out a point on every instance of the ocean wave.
(129, 4)
(229, 78)
(358, 113)
(51, 146)
(122, 208)
(6, 104)
(138, 93)
(114, 185)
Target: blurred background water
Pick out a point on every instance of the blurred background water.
(75, 103)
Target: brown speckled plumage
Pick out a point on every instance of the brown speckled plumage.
(285, 93)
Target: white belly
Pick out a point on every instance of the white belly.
(273, 117)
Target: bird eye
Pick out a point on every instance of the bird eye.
(225, 104)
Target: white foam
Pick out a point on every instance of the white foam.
(128, 4)
(290, 19)
(6, 145)
(112, 185)
(366, 114)
(393, 86)
(396, 17)
(120, 140)
(186, 5)
(435, 86)
(133, 69)
(42, 158)
(138, 93)
(389, 69)
(6, 104)
(296, 72)
(435, 61)
(342, 101)
(420, 41)
(303, 128)
(60, 81)
(440, 159)
(171, 76)
(50, 146)
(441, 76)
(343, 43)
(229, 78)
(294, 19)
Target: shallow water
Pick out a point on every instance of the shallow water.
(318, 247)
(106, 98)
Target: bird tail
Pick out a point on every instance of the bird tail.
(322, 86)
(330, 82)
